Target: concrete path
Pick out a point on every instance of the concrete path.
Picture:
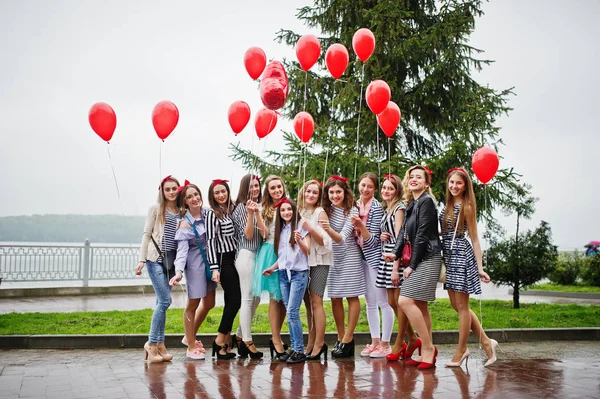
(537, 370)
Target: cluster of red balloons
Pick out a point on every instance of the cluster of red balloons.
(103, 119)
(378, 96)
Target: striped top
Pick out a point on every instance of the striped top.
(372, 247)
(168, 241)
(388, 225)
(240, 219)
(220, 237)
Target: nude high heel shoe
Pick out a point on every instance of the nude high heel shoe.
(152, 353)
(464, 357)
(162, 351)
(492, 359)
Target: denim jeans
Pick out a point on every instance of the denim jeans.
(163, 301)
(292, 291)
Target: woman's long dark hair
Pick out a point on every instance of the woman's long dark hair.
(279, 223)
(220, 211)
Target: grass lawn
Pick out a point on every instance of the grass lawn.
(566, 288)
(496, 314)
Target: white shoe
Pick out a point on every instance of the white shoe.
(368, 349)
(492, 359)
(198, 344)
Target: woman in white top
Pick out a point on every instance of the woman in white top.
(320, 259)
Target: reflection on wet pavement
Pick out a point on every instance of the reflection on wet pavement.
(531, 370)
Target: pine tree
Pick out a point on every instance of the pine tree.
(422, 52)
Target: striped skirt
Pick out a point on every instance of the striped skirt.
(422, 282)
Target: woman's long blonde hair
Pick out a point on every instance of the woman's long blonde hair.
(301, 205)
(268, 204)
(397, 183)
(162, 201)
(408, 196)
(468, 206)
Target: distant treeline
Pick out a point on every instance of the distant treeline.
(72, 228)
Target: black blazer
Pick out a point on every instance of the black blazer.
(421, 226)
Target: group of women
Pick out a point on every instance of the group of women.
(390, 252)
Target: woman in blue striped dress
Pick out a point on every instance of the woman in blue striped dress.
(347, 276)
(389, 275)
(367, 227)
(464, 262)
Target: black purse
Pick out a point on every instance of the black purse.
(168, 260)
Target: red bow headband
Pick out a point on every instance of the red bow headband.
(318, 182)
(185, 184)
(336, 177)
(219, 181)
(282, 201)
(388, 176)
(255, 177)
(428, 170)
(163, 181)
(458, 169)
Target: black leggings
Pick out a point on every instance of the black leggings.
(230, 281)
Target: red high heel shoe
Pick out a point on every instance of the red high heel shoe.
(425, 365)
(408, 354)
(412, 362)
(394, 357)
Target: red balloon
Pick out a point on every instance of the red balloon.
(265, 122)
(337, 58)
(274, 86)
(304, 126)
(238, 115)
(378, 96)
(363, 43)
(103, 120)
(165, 116)
(389, 119)
(485, 164)
(255, 61)
(308, 50)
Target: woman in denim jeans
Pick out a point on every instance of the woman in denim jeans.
(293, 247)
(159, 230)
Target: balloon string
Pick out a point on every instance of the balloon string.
(389, 158)
(331, 114)
(160, 161)
(362, 81)
(304, 102)
(484, 260)
(112, 167)
(378, 152)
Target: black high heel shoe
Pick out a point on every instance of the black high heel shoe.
(216, 350)
(244, 351)
(318, 355)
(344, 350)
(273, 349)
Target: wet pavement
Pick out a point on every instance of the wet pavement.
(98, 303)
(530, 370)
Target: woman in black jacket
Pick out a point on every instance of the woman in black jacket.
(421, 274)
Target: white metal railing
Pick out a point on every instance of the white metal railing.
(24, 263)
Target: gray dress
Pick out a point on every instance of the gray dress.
(347, 275)
(189, 260)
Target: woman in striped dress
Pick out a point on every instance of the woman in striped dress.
(158, 240)
(221, 249)
(367, 228)
(347, 276)
(464, 263)
(389, 275)
(248, 225)
(320, 259)
(273, 192)
(421, 275)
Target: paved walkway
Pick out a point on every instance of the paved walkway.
(539, 370)
(98, 303)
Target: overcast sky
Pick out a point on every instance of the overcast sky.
(60, 57)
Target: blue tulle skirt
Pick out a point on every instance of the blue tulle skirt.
(265, 258)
